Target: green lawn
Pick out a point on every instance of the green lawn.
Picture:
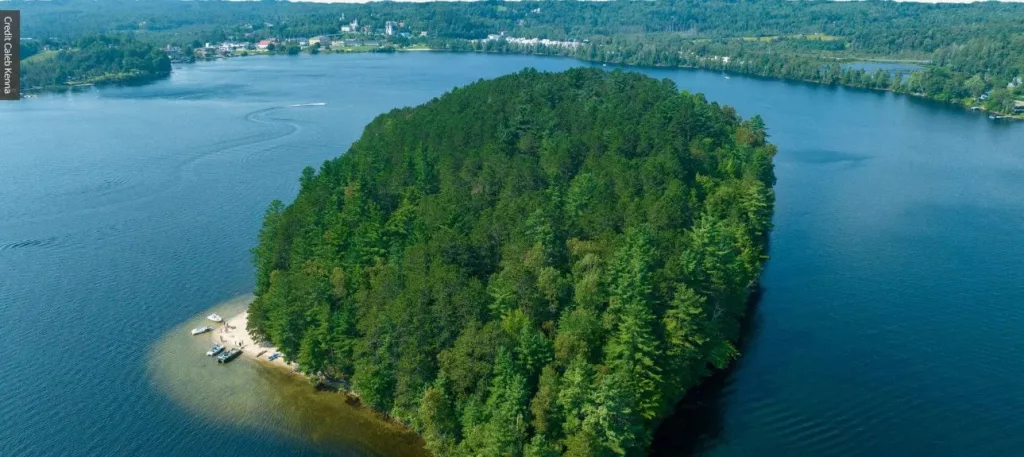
(41, 56)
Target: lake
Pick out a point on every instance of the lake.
(889, 324)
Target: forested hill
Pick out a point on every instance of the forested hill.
(970, 54)
(539, 264)
(92, 60)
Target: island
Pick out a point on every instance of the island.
(538, 264)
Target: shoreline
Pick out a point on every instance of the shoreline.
(232, 334)
(950, 103)
(266, 397)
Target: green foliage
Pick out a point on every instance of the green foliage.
(96, 60)
(967, 50)
(536, 265)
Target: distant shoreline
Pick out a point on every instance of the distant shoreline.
(153, 78)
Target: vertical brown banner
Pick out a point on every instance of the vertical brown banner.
(10, 55)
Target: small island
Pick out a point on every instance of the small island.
(539, 264)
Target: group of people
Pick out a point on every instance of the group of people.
(227, 329)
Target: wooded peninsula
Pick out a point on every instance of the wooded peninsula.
(92, 60)
(540, 264)
(968, 54)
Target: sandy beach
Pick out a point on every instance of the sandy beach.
(232, 334)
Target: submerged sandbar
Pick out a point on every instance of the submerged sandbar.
(266, 397)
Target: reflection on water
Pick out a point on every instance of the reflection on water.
(697, 422)
(267, 399)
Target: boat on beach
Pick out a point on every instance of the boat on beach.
(216, 318)
(274, 356)
(216, 349)
(229, 356)
(201, 330)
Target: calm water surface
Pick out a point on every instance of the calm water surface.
(890, 322)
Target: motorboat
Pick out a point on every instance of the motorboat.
(201, 330)
(229, 356)
(214, 317)
(216, 349)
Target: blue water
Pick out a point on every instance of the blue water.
(889, 323)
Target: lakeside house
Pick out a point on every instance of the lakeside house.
(354, 43)
(1018, 107)
(174, 53)
(264, 44)
(503, 36)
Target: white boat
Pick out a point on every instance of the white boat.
(199, 330)
(215, 318)
(217, 349)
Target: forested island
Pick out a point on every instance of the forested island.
(90, 61)
(540, 264)
(968, 54)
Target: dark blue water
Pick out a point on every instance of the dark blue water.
(889, 325)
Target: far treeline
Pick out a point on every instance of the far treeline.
(536, 265)
(972, 53)
(91, 60)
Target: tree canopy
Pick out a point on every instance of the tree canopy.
(94, 60)
(970, 54)
(539, 264)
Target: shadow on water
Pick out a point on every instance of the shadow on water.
(696, 423)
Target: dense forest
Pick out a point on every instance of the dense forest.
(540, 264)
(92, 60)
(973, 53)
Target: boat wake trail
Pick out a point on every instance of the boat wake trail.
(264, 116)
(244, 149)
(32, 243)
